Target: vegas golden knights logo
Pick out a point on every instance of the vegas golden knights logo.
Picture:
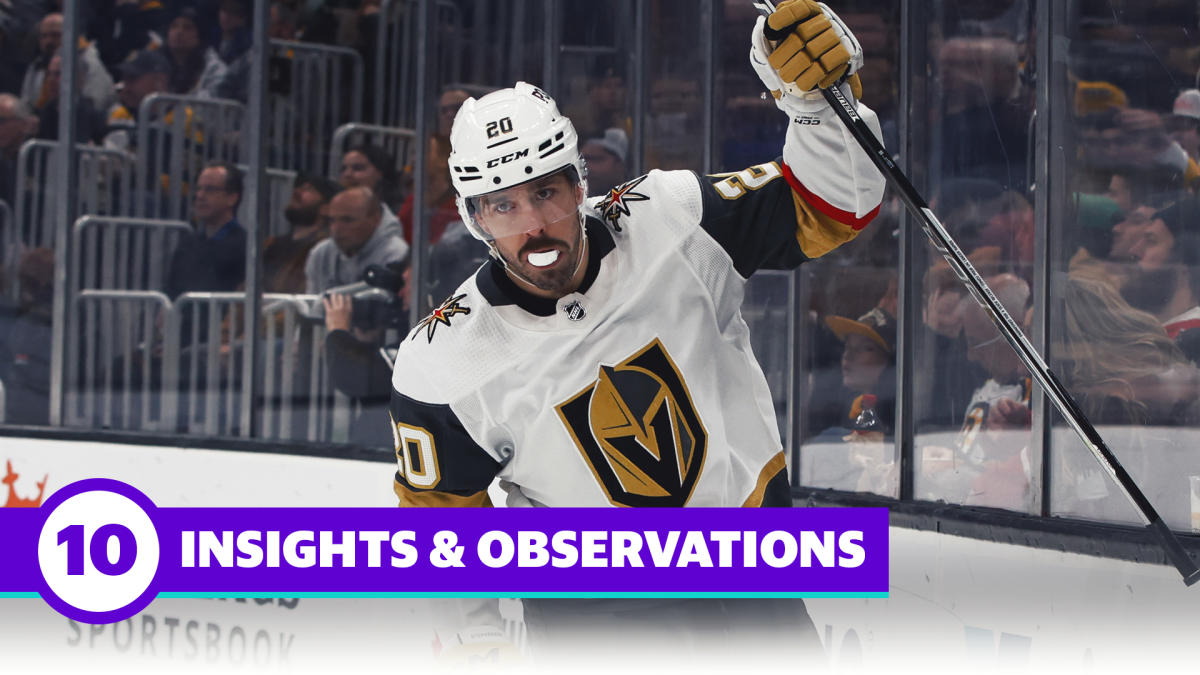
(638, 430)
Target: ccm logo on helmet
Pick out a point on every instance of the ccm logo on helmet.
(492, 163)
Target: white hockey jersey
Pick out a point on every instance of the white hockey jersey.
(640, 388)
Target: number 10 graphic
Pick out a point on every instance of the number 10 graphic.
(98, 551)
(73, 536)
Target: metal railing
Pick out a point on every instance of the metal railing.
(105, 178)
(279, 191)
(400, 142)
(299, 400)
(121, 265)
(8, 248)
(124, 253)
(202, 335)
(322, 88)
(117, 379)
(147, 363)
(176, 136)
(395, 93)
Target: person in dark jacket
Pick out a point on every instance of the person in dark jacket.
(213, 256)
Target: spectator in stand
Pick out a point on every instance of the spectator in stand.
(1138, 141)
(17, 125)
(89, 123)
(605, 158)
(209, 13)
(978, 467)
(993, 442)
(318, 24)
(359, 236)
(97, 83)
(1112, 349)
(122, 27)
(12, 68)
(1184, 122)
(1011, 230)
(356, 367)
(868, 368)
(371, 166)
(234, 49)
(1131, 187)
(605, 104)
(18, 22)
(234, 19)
(362, 34)
(213, 256)
(868, 361)
(967, 206)
(1164, 262)
(146, 72)
(307, 212)
(196, 70)
(986, 109)
(284, 25)
(439, 194)
(1129, 376)
(26, 373)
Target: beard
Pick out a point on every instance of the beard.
(1150, 290)
(302, 216)
(557, 278)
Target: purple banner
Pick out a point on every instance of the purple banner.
(98, 550)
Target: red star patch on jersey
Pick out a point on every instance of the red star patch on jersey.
(616, 204)
(441, 316)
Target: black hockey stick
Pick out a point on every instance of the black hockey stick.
(983, 294)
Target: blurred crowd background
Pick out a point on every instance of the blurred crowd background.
(1070, 184)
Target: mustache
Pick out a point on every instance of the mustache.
(542, 243)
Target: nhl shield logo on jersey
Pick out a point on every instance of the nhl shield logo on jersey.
(574, 311)
(639, 431)
(616, 203)
(441, 316)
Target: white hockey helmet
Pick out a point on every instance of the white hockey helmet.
(507, 138)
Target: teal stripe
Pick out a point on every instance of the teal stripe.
(518, 594)
(509, 594)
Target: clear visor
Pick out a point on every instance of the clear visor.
(540, 204)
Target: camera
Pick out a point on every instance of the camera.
(379, 305)
(374, 301)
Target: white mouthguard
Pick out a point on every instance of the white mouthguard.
(543, 259)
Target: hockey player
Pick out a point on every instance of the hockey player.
(600, 357)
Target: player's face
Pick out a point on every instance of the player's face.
(535, 227)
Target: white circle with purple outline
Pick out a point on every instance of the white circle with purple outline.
(98, 551)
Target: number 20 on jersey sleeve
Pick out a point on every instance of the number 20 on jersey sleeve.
(737, 184)
(416, 455)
